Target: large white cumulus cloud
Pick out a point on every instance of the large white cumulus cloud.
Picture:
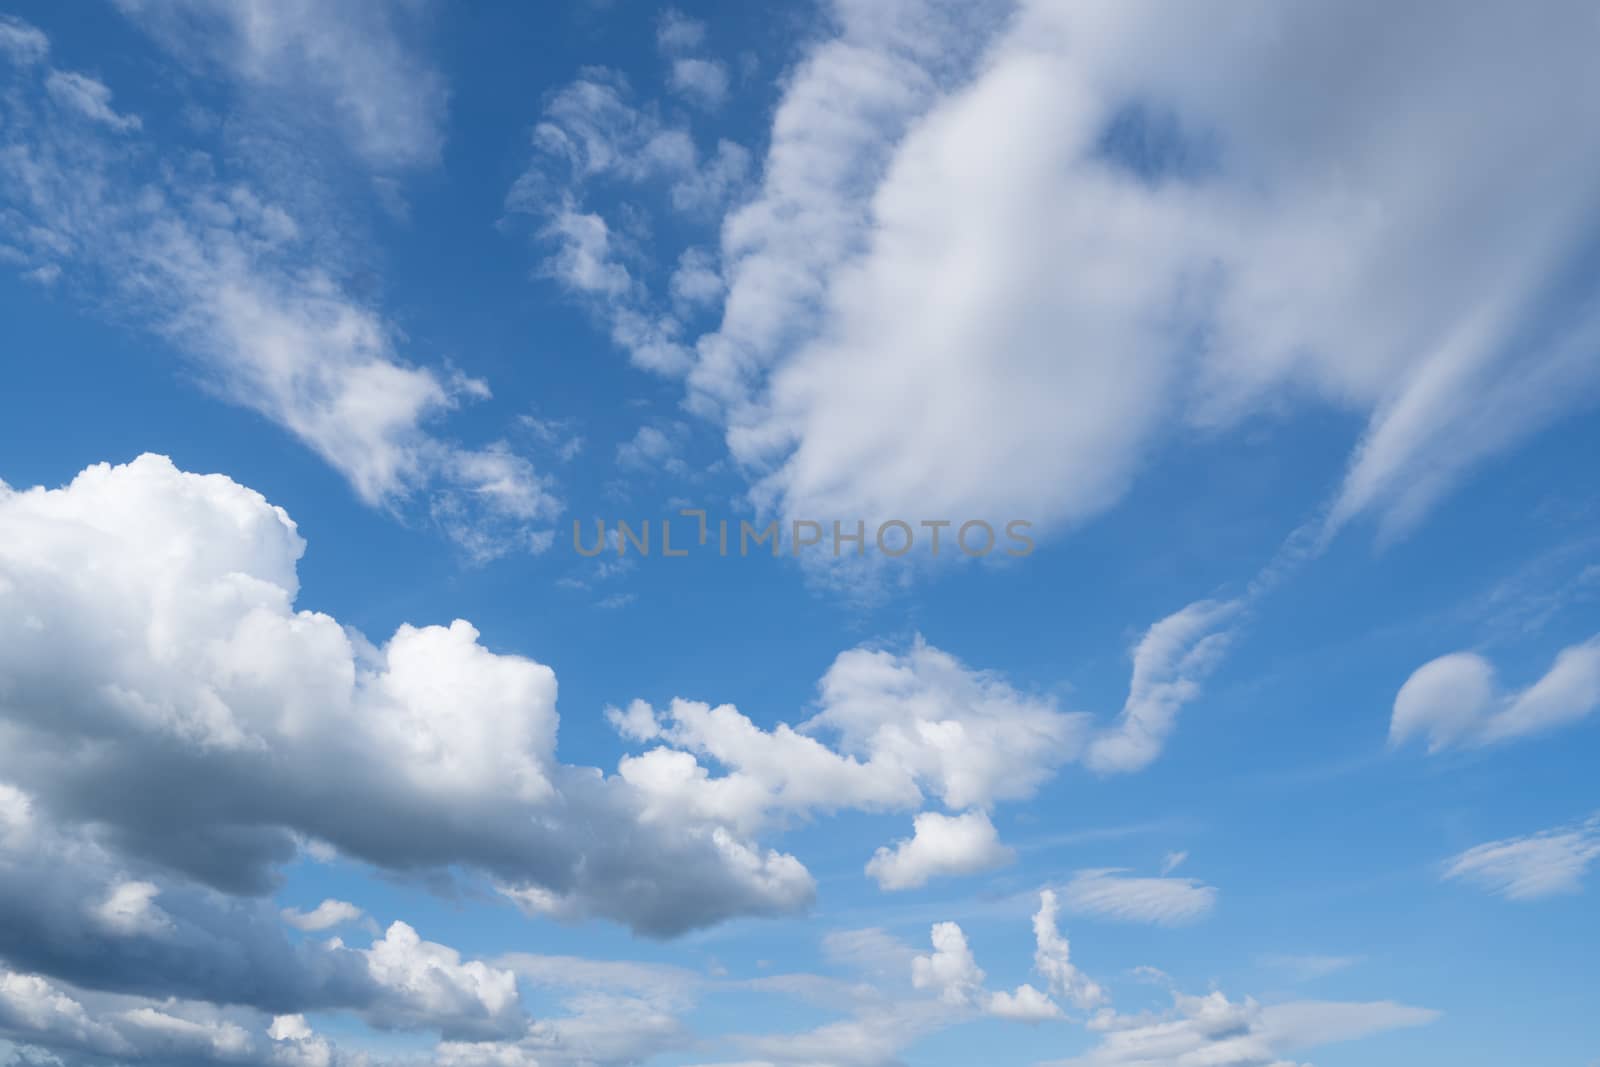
(157, 683)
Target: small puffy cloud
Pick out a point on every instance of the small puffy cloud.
(1052, 959)
(427, 983)
(655, 448)
(941, 845)
(324, 916)
(1026, 1005)
(696, 281)
(768, 771)
(950, 970)
(677, 32)
(636, 722)
(967, 734)
(705, 81)
(131, 909)
(1114, 894)
(1549, 863)
(1454, 700)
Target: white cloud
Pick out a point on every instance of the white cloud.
(1169, 663)
(89, 98)
(894, 728)
(967, 734)
(345, 62)
(171, 597)
(1025, 1005)
(1115, 894)
(1217, 1032)
(21, 42)
(131, 909)
(33, 1006)
(774, 771)
(1102, 235)
(676, 32)
(655, 448)
(429, 981)
(1052, 959)
(614, 1013)
(590, 136)
(949, 971)
(1549, 863)
(696, 279)
(906, 726)
(705, 81)
(324, 916)
(221, 271)
(952, 973)
(1454, 700)
(941, 845)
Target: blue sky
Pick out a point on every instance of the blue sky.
(322, 744)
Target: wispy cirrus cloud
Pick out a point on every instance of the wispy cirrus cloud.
(1544, 864)
(231, 279)
(1111, 893)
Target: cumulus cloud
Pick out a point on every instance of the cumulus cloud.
(1025, 1004)
(949, 970)
(1548, 863)
(892, 730)
(324, 916)
(968, 734)
(1454, 700)
(428, 982)
(1115, 894)
(130, 908)
(1052, 959)
(941, 845)
(48, 1022)
(896, 728)
(171, 595)
(952, 973)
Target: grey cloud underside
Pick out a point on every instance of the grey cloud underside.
(176, 704)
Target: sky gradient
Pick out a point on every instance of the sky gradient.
(1264, 339)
